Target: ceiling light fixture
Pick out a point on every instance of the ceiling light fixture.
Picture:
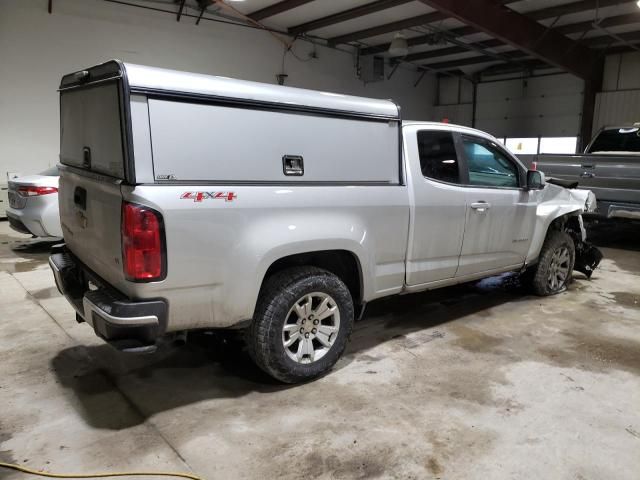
(399, 46)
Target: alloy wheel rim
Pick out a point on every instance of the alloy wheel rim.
(311, 327)
(559, 268)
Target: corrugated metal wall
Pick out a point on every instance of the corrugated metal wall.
(537, 106)
(619, 103)
(454, 101)
(548, 105)
(532, 107)
(617, 108)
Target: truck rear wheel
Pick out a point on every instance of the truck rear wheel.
(553, 272)
(302, 322)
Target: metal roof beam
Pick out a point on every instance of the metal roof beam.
(526, 65)
(523, 33)
(604, 40)
(442, 52)
(276, 8)
(605, 22)
(395, 26)
(570, 8)
(542, 14)
(346, 15)
(570, 28)
(463, 62)
(388, 27)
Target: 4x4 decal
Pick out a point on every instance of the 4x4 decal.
(200, 196)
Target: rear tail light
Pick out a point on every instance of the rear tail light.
(33, 191)
(534, 166)
(143, 249)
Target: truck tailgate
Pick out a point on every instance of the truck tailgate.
(90, 210)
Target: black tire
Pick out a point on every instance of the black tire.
(539, 276)
(279, 294)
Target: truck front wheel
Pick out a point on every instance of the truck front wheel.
(553, 271)
(302, 322)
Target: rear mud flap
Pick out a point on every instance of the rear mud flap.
(588, 258)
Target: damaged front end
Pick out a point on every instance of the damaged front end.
(567, 197)
(588, 256)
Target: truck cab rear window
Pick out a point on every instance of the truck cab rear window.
(91, 129)
(617, 140)
(438, 158)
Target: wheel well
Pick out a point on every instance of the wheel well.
(341, 263)
(565, 222)
(570, 224)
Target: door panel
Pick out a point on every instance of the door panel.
(438, 228)
(438, 208)
(500, 217)
(499, 226)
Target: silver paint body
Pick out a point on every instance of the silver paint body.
(614, 177)
(38, 213)
(407, 233)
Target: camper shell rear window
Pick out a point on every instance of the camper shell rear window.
(91, 127)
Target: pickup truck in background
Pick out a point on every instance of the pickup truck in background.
(191, 201)
(609, 167)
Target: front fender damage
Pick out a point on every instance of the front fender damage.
(588, 256)
(574, 203)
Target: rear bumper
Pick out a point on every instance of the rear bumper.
(616, 210)
(128, 325)
(17, 224)
(22, 221)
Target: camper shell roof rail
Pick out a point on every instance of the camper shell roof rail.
(155, 81)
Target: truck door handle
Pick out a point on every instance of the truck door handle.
(588, 166)
(587, 175)
(481, 207)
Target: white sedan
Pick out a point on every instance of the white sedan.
(33, 204)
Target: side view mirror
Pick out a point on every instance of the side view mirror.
(535, 180)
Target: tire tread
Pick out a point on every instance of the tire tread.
(261, 334)
(537, 279)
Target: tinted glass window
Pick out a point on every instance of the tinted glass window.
(90, 129)
(438, 158)
(617, 140)
(488, 165)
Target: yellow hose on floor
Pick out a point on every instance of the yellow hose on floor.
(22, 469)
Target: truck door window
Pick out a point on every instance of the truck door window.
(438, 158)
(488, 166)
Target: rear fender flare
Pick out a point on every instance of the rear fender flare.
(267, 242)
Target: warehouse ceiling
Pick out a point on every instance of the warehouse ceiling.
(448, 35)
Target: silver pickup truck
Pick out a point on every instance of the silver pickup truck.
(197, 202)
(610, 167)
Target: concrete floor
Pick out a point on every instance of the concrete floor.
(478, 381)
